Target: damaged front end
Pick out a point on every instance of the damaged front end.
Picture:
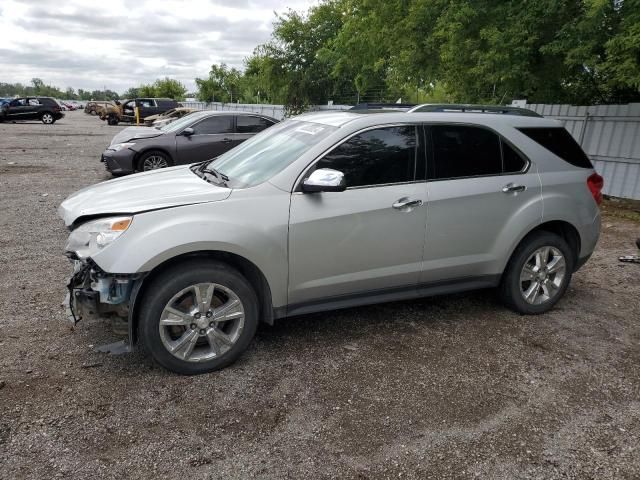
(93, 293)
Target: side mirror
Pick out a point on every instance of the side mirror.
(325, 180)
(187, 132)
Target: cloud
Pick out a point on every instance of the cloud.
(123, 43)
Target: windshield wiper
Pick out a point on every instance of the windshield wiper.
(219, 175)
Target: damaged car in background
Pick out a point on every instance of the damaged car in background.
(327, 211)
(162, 119)
(193, 138)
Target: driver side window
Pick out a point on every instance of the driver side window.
(377, 157)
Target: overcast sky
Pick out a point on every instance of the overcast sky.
(91, 44)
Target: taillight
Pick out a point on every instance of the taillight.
(595, 183)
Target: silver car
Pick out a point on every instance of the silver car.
(327, 211)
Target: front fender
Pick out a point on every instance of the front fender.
(254, 227)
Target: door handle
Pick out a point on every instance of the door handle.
(406, 204)
(227, 140)
(513, 188)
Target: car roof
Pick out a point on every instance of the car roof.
(211, 113)
(366, 118)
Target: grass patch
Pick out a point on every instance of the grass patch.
(621, 208)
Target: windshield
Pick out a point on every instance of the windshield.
(262, 156)
(183, 122)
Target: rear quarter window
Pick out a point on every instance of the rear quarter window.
(560, 142)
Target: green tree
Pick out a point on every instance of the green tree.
(169, 88)
(222, 84)
(133, 92)
(147, 90)
(578, 51)
(70, 94)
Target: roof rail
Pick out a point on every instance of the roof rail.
(468, 108)
(383, 106)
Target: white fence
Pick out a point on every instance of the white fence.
(609, 134)
(275, 111)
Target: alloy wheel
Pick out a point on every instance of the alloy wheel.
(47, 118)
(201, 322)
(154, 162)
(542, 275)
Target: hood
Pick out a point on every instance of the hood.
(131, 133)
(168, 187)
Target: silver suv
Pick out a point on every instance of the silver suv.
(327, 211)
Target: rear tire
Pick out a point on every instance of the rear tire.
(47, 118)
(189, 339)
(112, 120)
(538, 274)
(153, 160)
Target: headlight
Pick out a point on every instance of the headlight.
(119, 146)
(91, 237)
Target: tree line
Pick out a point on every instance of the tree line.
(471, 51)
(163, 87)
(475, 51)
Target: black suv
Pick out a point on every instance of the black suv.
(45, 109)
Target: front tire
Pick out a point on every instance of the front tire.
(538, 274)
(197, 317)
(112, 120)
(153, 160)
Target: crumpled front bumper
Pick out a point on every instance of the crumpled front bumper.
(93, 293)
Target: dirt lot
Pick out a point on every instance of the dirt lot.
(449, 387)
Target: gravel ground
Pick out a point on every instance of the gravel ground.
(447, 387)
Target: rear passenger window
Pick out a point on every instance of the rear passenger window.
(213, 125)
(247, 124)
(559, 141)
(377, 157)
(512, 162)
(462, 151)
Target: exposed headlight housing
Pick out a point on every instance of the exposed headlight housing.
(116, 147)
(91, 237)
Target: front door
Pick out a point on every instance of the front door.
(368, 239)
(19, 109)
(212, 136)
(482, 195)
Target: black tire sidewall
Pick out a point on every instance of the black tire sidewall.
(510, 285)
(164, 287)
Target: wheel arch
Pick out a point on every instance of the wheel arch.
(248, 269)
(563, 229)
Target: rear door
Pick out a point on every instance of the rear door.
(483, 193)
(34, 109)
(247, 126)
(212, 136)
